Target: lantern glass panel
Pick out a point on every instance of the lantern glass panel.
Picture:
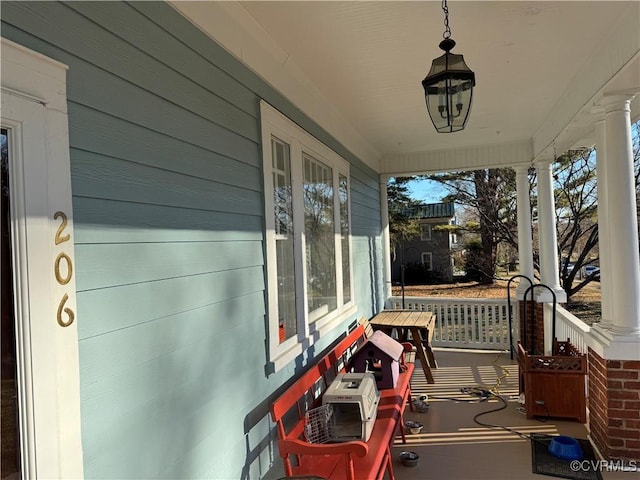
(449, 103)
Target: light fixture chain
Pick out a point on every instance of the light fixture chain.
(448, 87)
(447, 30)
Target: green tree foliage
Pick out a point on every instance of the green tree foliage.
(473, 260)
(492, 194)
(401, 226)
(575, 192)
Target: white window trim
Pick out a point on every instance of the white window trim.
(453, 237)
(34, 108)
(309, 330)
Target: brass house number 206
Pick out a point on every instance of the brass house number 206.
(63, 270)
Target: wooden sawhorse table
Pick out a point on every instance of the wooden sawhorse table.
(420, 324)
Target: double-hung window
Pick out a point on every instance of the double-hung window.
(427, 260)
(308, 236)
(425, 232)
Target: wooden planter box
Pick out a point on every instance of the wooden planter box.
(554, 385)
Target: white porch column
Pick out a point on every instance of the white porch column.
(548, 244)
(622, 221)
(525, 245)
(548, 238)
(386, 241)
(604, 228)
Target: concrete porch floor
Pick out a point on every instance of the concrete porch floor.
(451, 445)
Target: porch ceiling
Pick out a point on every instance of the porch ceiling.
(356, 68)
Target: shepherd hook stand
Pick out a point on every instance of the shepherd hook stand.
(533, 327)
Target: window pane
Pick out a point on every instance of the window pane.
(344, 238)
(427, 259)
(287, 325)
(283, 210)
(320, 236)
(425, 232)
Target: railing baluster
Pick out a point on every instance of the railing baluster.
(452, 319)
(491, 325)
(462, 338)
(484, 322)
(441, 324)
(470, 321)
(483, 325)
(468, 326)
(499, 325)
(496, 331)
(473, 323)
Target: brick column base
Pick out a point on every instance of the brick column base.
(532, 334)
(614, 406)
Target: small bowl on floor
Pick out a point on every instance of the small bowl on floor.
(566, 448)
(409, 459)
(413, 427)
(420, 406)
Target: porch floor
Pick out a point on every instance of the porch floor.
(452, 446)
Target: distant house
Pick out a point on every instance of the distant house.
(428, 257)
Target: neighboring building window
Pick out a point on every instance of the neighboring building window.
(425, 231)
(454, 236)
(308, 236)
(426, 260)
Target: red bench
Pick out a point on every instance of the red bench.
(346, 460)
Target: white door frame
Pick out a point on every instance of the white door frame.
(34, 109)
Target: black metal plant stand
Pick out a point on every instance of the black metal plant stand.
(533, 327)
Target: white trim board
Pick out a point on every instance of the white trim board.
(34, 110)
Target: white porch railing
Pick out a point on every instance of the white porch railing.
(571, 327)
(466, 322)
(484, 323)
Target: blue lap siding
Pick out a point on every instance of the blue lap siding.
(168, 206)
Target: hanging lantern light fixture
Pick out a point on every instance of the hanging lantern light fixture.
(448, 87)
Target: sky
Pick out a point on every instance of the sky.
(426, 191)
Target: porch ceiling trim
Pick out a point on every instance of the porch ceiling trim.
(459, 159)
